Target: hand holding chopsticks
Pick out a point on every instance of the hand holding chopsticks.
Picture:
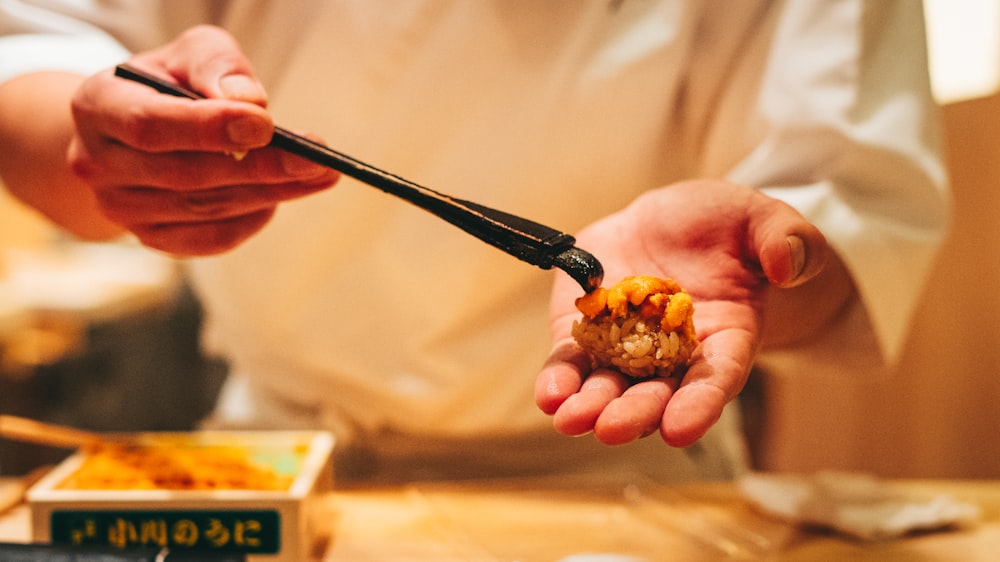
(529, 241)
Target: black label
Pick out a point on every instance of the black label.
(250, 531)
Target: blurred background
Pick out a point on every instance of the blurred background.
(105, 336)
(95, 336)
(938, 414)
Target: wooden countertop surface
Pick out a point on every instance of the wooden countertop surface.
(538, 521)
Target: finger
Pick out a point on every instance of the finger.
(202, 239)
(106, 107)
(113, 164)
(209, 60)
(136, 206)
(579, 413)
(561, 376)
(637, 413)
(718, 371)
(791, 250)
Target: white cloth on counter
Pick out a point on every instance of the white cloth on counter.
(368, 316)
(859, 505)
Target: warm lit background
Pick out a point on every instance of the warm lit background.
(938, 416)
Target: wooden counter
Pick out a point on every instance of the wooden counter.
(539, 521)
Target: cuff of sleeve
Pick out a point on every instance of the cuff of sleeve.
(22, 54)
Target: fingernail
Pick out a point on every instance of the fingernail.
(248, 131)
(797, 256)
(242, 88)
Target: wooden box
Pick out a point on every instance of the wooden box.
(266, 525)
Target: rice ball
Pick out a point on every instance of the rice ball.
(641, 326)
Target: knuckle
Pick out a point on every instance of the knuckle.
(144, 131)
(81, 165)
(210, 203)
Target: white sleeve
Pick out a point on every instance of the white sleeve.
(853, 143)
(68, 35)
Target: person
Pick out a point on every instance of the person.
(780, 160)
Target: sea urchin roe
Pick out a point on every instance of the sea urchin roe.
(593, 303)
(641, 326)
(173, 468)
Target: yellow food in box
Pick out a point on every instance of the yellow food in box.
(245, 492)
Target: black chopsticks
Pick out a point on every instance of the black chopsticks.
(526, 240)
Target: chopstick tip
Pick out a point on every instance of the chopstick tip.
(582, 266)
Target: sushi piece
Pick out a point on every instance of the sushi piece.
(641, 326)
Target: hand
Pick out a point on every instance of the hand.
(725, 244)
(163, 167)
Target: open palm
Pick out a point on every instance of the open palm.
(725, 244)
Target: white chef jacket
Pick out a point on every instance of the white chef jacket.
(358, 312)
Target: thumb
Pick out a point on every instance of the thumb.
(790, 249)
(241, 87)
(216, 66)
